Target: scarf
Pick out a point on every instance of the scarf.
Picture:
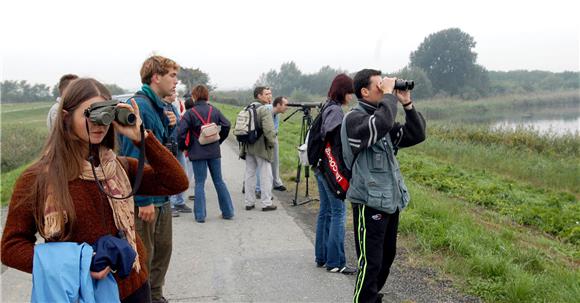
(116, 183)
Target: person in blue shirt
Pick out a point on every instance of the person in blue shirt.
(153, 219)
(279, 106)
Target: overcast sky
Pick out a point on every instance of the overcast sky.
(235, 41)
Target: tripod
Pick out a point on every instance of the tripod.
(304, 127)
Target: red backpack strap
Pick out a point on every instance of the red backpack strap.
(199, 116)
(209, 114)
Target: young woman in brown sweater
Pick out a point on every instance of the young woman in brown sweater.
(59, 198)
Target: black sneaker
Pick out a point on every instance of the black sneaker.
(258, 195)
(250, 207)
(174, 212)
(183, 208)
(280, 188)
(320, 264)
(269, 208)
(343, 270)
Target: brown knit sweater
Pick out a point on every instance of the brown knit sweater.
(162, 176)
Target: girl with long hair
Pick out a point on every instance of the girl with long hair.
(59, 198)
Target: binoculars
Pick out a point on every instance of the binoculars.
(103, 113)
(401, 84)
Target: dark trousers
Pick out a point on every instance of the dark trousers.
(375, 234)
(157, 237)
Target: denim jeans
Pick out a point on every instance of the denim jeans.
(177, 199)
(329, 246)
(200, 174)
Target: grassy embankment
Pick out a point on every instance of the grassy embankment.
(495, 211)
(23, 134)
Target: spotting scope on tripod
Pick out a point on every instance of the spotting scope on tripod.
(305, 108)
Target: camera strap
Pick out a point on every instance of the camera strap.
(140, 166)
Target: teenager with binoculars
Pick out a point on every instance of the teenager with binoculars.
(370, 141)
(59, 198)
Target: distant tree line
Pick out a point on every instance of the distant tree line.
(17, 91)
(443, 65)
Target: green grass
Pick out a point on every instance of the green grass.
(7, 180)
(486, 254)
(549, 210)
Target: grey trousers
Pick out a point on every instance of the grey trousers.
(254, 164)
(276, 166)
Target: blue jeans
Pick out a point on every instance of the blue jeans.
(178, 198)
(200, 174)
(329, 246)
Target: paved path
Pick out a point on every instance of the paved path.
(257, 257)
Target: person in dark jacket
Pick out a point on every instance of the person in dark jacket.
(205, 156)
(370, 140)
(329, 245)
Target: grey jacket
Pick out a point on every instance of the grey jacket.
(370, 138)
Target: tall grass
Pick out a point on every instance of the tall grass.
(541, 160)
(487, 255)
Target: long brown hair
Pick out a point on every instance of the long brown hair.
(62, 156)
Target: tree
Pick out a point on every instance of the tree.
(22, 91)
(448, 60)
(191, 77)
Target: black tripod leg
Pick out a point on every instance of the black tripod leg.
(298, 171)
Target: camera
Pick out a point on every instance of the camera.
(103, 113)
(304, 104)
(172, 146)
(401, 84)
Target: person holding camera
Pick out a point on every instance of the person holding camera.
(60, 195)
(329, 244)
(153, 213)
(204, 155)
(370, 141)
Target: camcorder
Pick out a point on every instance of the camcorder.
(103, 113)
(304, 104)
(401, 84)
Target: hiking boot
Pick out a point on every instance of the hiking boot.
(183, 208)
(174, 212)
(269, 208)
(343, 270)
(250, 207)
(280, 188)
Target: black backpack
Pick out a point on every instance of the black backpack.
(315, 144)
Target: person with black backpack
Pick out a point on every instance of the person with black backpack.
(325, 135)
(256, 134)
(202, 130)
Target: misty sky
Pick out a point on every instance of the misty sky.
(235, 41)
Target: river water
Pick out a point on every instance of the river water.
(555, 126)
